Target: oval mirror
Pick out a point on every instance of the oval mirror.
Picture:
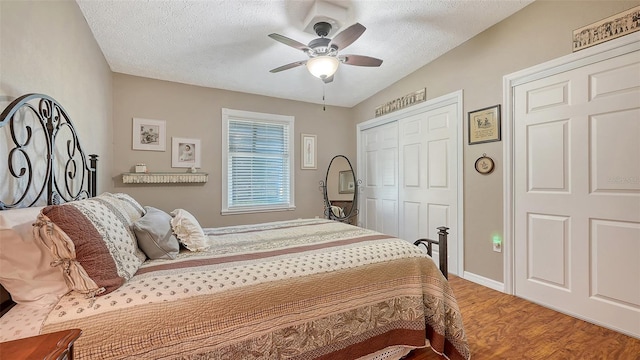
(340, 191)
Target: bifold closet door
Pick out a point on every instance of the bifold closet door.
(428, 176)
(379, 198)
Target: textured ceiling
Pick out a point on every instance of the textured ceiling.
(224, 44)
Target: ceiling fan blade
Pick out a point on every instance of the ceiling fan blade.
(359, 60)
(287, 41)
(288, 66)
(347, 36)
(328, 79)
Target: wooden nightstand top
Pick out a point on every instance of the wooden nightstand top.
(55, 345)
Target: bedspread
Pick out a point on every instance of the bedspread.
(303, 289)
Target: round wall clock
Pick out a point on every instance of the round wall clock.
(484, 164)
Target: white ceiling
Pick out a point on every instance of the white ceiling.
(224, 44)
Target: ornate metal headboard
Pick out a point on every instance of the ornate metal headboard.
(45, 162)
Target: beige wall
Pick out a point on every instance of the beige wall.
(538, 33)
(73, 71)
(195, 112)
(47, 47)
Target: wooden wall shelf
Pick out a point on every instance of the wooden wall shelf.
(164, 178)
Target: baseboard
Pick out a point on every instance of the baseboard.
(481, 280)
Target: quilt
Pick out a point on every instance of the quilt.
(301, 289)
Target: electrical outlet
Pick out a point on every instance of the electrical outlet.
(497, 242)
(497, 246)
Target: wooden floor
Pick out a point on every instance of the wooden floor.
(501, 326)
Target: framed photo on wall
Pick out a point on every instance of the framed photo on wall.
(309, 156)
(185, 153)
(149, 134)
(484, 125)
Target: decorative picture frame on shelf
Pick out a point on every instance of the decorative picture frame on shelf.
(484, 125)
(309, 153)
(402, 102)
(185, 153)
(606, 29)
(149, 134)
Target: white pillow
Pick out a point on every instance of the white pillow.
(188, 230)
(27, 273)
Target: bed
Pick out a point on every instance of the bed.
(145, 284)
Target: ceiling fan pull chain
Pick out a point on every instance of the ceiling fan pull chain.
(324, 108)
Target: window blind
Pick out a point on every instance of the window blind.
(258, 164)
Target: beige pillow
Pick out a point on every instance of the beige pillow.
(130, 210)
(25, 263)
(155, 236)
(188, 230)
(127, 210)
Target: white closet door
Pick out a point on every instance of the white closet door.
(428, 177)
(379, 200)
(577, 192)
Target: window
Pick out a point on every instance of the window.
(257, 162)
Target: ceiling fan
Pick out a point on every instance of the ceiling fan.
(323, 52)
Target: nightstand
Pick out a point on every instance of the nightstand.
(53, 346)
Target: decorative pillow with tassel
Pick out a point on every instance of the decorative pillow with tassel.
(92, 242)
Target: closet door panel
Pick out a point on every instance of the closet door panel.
(428, 175)
(380, 185)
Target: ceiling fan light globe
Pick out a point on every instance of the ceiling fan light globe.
(323, 67)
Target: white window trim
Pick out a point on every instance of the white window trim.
(230, 114)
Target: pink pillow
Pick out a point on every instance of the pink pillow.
(25, 262)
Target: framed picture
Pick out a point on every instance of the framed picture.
(484, 165)
(149, 134)
(484, 125)
(308, 145)
(185, 153)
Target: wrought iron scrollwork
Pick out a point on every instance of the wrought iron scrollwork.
(68, 173)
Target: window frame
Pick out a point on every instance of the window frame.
(231, 114)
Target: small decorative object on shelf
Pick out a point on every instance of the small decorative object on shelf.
(402, 102)
(141, 168)
(164, 178)
(614, 26)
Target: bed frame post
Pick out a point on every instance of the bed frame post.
(442, 249)
(52, 197)
(93, 179)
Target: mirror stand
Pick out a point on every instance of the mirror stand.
(340, 190)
